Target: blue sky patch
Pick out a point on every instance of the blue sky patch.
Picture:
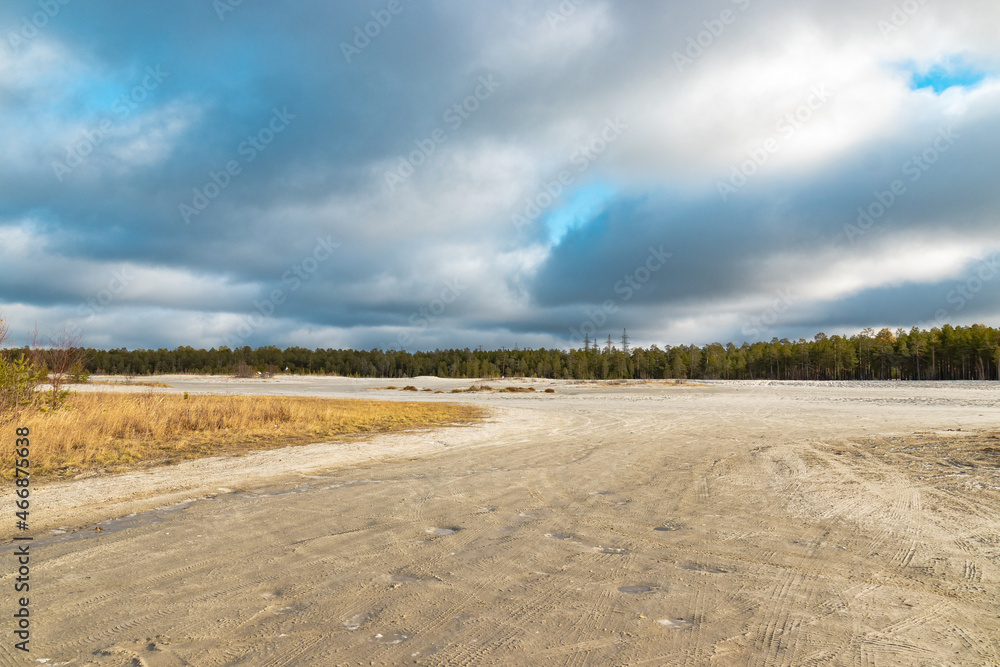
(587, 203)
(942, 76)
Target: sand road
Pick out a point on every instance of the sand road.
(735, 524)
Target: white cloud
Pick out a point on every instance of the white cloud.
(451, 220)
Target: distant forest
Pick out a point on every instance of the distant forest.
(946, 353)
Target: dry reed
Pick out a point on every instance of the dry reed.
(110, 431)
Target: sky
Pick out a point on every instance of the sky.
(395, 174)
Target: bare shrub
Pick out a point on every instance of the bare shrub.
(56, 361)
(244, 370)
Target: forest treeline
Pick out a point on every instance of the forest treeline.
(945, 353)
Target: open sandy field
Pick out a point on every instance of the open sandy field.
(740, 523)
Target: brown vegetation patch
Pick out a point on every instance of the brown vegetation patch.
(130, 384)
(473, 388)
(508, 390)
(111, 431)
(966, 462)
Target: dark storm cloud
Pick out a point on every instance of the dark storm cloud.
(223, 150)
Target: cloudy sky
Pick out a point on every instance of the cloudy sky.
(450, 174)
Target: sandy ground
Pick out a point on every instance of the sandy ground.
(742, 523)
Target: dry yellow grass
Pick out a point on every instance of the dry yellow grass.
(106, 432)
(129, 384)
